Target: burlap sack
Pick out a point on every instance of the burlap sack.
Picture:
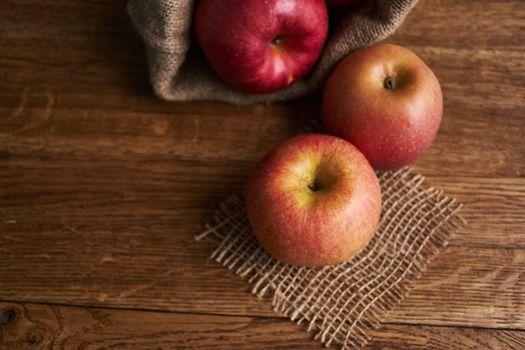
(180, 74)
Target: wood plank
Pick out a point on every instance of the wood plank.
(43, 116)
(48, 129)
(469, 77)
(52, 326)
(56, 191)
(51, 130)
(75, 67)
(59, 327)
(121, 233)
(456, 290)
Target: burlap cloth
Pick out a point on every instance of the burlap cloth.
(180, 74)
(343, 303)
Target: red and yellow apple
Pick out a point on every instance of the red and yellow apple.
(314, 200)
(260, 46)
(385, 101)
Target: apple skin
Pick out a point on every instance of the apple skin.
(391, 121)
(314, 200)
(261, 46)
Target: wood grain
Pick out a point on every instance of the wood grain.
(494, 210)
(469, 286)
(101, 61)
(40, 125)
(59, 327)
(465, 24)
(102, 187)
(57, 190)
(110, 255)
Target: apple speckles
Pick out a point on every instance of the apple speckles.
(325, 226)
(261, 46)
(393, 124)
(285, 6)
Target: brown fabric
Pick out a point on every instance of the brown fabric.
(166, 27)
(343, 303)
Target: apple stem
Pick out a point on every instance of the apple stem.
(389, 83)
(313, 187)
(276, 41)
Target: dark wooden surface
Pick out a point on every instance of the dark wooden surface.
(103, 186)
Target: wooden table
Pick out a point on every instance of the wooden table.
(103, 186)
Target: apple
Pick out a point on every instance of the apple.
(385, 101)
(261, 46)
(313, 200)
(343, 3)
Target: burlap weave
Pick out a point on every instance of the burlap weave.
(343, 303)
(166, 28)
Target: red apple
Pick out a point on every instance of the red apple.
(314, 200)
(261, 46)
(385, 101)
(343, 3)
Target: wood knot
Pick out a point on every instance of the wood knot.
(8, 315)
(34, 336)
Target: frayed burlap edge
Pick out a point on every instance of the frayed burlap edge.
(166, 28)
(343, 304)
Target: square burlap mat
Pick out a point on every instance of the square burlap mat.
(343, 303)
